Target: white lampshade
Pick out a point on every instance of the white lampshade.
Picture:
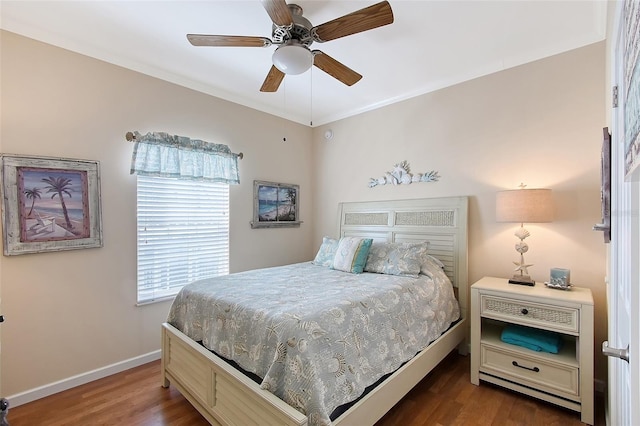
(292, 58)
(524, 206)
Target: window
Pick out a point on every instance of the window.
(183, 234)
(183, 211)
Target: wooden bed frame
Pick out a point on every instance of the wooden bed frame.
(225, 396)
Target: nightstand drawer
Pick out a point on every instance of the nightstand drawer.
(538, 373)
(527, 313)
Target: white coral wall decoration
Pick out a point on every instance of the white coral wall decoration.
(401, 175)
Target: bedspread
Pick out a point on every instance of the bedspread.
(317, 337)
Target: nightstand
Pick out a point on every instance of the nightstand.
(565, 378)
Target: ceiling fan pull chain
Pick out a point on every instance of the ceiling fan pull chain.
(311, 100)
(284, 122)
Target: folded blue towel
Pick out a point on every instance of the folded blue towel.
(532, 338)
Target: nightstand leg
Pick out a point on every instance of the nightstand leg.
(475, 339)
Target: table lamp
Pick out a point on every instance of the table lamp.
(523, 205)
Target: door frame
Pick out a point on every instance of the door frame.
(623, 289)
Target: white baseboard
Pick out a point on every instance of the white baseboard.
(81, 379)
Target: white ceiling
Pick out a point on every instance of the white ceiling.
(431, 45)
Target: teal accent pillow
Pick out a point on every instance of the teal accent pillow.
(351, 254)
(326, 253)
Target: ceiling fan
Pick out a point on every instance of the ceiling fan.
(294, 34)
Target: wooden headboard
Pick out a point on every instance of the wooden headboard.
(440, 221)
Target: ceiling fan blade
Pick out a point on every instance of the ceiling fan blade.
(273, 80)
(278, 12)
(227, 40)
(335, 69)
(371, 17)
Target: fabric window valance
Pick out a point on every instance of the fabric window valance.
(163, 155)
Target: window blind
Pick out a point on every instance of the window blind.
(183, 234)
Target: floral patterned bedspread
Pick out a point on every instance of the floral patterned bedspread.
(316, 336)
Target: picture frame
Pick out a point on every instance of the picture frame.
(275, 205)
(630, 90)
(559, 278)
(49, 204)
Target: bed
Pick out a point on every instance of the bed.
(226, 395)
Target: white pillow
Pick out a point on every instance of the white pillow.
(351, 254)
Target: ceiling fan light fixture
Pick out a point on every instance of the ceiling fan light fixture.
(292, 58)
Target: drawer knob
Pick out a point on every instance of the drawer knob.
(534, 369)
(524, 311)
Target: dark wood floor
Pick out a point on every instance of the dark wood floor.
(444, 397)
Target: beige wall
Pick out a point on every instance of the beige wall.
(71, 312)
(539, 123)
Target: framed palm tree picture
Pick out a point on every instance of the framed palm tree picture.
(275, 205)
(50, 204)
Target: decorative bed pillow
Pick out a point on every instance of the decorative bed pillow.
(427, 261)
(396, 258)
(351, 254)
(326, 253)
(431, 265)
(434, 260)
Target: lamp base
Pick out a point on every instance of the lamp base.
(522, 280)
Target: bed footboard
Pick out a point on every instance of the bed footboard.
(380, 400)
(224, 396)
(221, 394)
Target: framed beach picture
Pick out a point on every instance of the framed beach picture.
(275, 205)
(631, 89)
(49, 204)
